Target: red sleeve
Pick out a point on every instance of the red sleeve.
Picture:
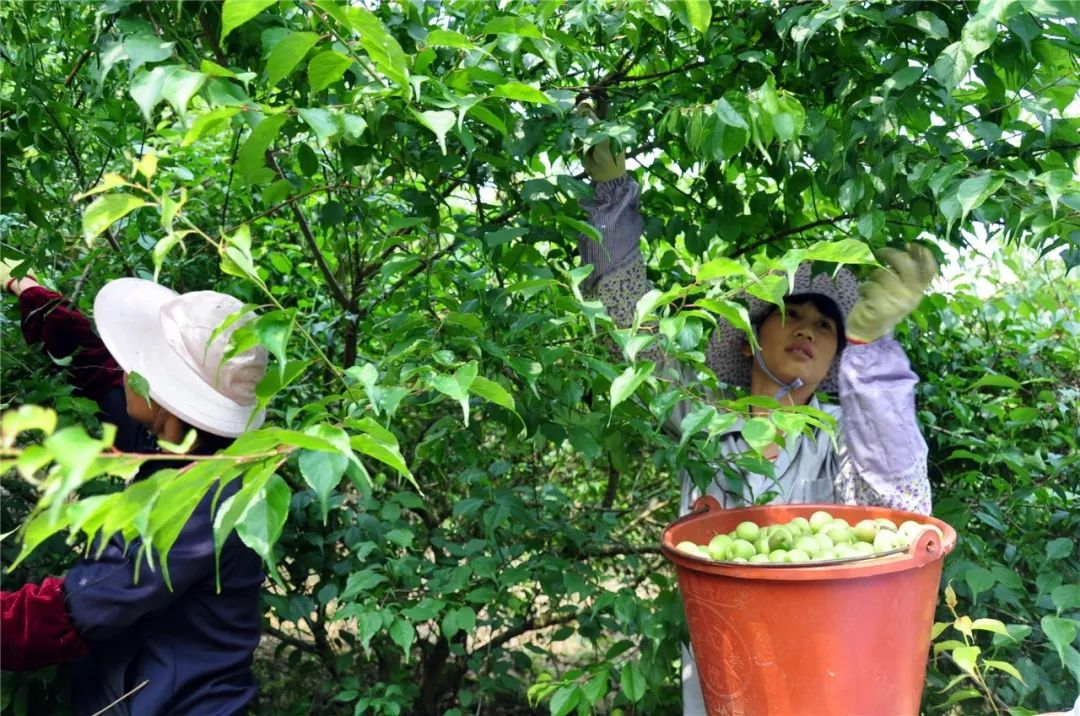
(49, 318)
(36, 628)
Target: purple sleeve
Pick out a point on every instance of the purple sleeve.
(616, 214)
(885, 450)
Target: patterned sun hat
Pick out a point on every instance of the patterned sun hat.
(725, 351)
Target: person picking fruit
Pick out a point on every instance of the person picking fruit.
(138, 645)
(834, 337)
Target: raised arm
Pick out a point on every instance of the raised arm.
(883, 457)
(618, 276)
(883, 453)
(50, 319)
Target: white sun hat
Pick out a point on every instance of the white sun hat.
(165, 337)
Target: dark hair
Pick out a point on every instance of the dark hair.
(825, 305)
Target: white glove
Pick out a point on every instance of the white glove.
(891, 293)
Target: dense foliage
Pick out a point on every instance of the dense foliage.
(461, 487)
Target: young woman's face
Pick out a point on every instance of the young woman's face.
(801, 344)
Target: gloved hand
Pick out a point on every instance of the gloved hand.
(600, 163)
(891, 293)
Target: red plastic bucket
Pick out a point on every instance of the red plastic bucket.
(830, 640)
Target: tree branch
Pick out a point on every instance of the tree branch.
(290, 640)
(331, 281)
(789, 232)
(526, 626)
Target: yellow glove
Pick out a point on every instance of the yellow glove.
(600, 163)
(891, 293)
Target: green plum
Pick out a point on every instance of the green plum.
(719, 547)
(819, 520)
(866, 531)
(747, 531)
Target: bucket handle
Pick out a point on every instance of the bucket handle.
(703, 504)
(926, 547)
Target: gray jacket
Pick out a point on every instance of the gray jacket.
(879, 457)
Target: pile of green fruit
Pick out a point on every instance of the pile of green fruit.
(820, 538)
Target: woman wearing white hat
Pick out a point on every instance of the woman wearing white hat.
(152, 649)
(835, 338)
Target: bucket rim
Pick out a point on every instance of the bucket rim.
(924, 551)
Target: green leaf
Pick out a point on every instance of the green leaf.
(996, 381)
(213, 121)
(448, 38)
(146, 90)
(625, 385)
(902, 79)
(721, 267)
(966, 657)
(971, 193)
(700, 14)
(1066, 597)
(142, 48)
(382, 450)
(235, 13)
(958, 695)
(251, 160)
(1060, 632)
(107, 210)
(361, 582)
(381, 46)
(261, 524)
(580, 227)
(952, 66)
(632, 682)
(930, 24)
(274, 330)
(35, 531)
(511, 25)
(325, 123)
(457, 386)
(138, 385)
(844, 251)
(439, 122)
(992, 625)
(456, 620)
(521, 92)
(403, 634)
(230, 512)
(326, 68)
(1006, 667)
(978, 34)
(322, 471)
(179, 86)
(1059, 548)
(759, 433)
(979, 579)
(24, 418)
(732, 312)
(287, 54)
(489, 118)
(492, 391)
(565, 700)
(596, 687)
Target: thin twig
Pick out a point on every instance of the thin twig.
(114, 703)
(320, 260)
